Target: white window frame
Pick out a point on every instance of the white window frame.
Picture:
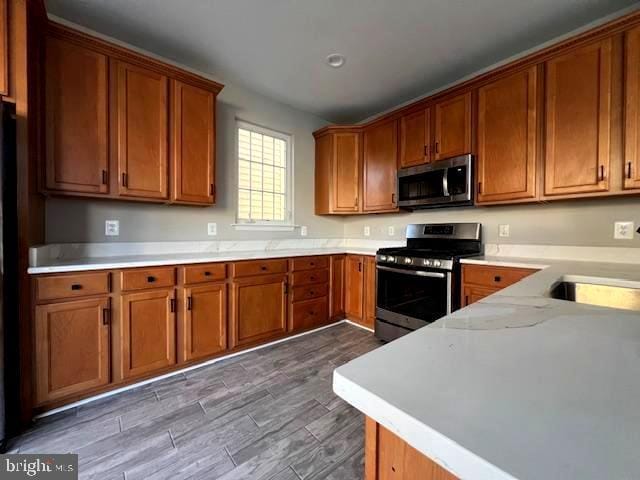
(268, 225)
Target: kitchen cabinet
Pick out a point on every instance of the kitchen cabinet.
(309, 298)
(338, 171)
(473, 293)
(337, 280)
(141, 130)
(508, 138)
(578, 120)
(71, 347)
(369, 308)
(148, 331)
(204, 313)
(479, 281)
(380, 167)
(77, 134)
(452, 131)
(632, 110)
(415, 138)
(354, 287)
(258, 308)
(193, 143)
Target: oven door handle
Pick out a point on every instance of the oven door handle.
(417, 273)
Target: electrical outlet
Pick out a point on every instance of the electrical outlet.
(112, 228)
(504, 231)
(367, 230)
(212, 229)
(303, 231)
(623, 230)
(391, 230)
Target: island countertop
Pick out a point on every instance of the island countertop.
(517, 385)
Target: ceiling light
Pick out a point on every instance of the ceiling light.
(336, 60)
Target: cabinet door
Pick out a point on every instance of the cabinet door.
(632, 110)
(193, 134)
(72, 348)
(346, 172)
(380, 167)
(259, 308)
(453, 127)
(369, 318)
(578, 120)
(337, 291)
(415, 136)
(141, 130)
(205, 320)
(473, 293)
(354, 286)
(76, 89)
(508, 138)
(148, 331)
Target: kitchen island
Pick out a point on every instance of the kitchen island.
(516, 386)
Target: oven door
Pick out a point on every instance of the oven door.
(411, 298)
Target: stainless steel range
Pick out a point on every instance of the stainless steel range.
(420, 283)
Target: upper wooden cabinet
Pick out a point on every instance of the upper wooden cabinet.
(124, 126)
(76, 95)
(508, 138)
(452, 131)
(578, 120)
(194, 143)
(380, 169)
(632, 110)
(415, 138)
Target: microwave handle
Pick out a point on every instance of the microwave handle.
(445, 182)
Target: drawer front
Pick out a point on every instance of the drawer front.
(309, 277)
(310, 313)
(310, 263)
(205, 273)
(72, 286)
(499, 277)
(259, 267)
(145, 278)
(307, 292)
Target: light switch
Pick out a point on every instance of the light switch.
(212, 229)
(623, 230)
(112, 228)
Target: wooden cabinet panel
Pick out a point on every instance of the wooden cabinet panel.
(354, 287)
(309, 263)
(148, 331)
(258, 308)
(453, 127)
(259, 267)
(144, 278)
(493, 277)
(307, 292)
(346, 172)
(632, 110)
(415, 138)
(473, 293)
(508, 138)
(72, 348)
(337, 286)
(309, 277)
(309, 313)
(205, 321)
(56, 287)
(207, 272)
(193, 134)
(380, 171)
(323, 175)
(141, 130)
(76, 89)
(369, 318)
(578, 120)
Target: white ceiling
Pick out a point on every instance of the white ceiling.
(396, 49)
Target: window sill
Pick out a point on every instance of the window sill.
(264, 227)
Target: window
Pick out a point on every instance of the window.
(264, 177)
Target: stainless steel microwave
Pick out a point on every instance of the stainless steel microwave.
(438, 184)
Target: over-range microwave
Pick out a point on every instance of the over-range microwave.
(438, 184)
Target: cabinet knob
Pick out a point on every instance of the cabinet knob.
(76, 286)
(151, 279)
(263, 267)
(497, 278)
(207, 274)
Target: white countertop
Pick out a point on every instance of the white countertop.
(516, 386)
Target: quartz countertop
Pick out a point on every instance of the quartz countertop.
(517, 385)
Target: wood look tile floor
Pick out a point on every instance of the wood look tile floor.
(266, 414)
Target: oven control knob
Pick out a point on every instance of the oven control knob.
(408, 261)
(437, 263)
(390, 259)
(382, 258)
(427, 262)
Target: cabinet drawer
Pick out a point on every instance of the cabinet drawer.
(307, 292)
(145, 278)
(487, 276)
(72, 286)
(309, 263)
(310, 313)
(259, 267)
(309, 277)
(205, 273)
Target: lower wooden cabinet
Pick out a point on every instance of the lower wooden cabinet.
(479, 281)
(72, 348)
(258, 308)
(204, 315)
(148, 331)
(473, 293)
(369, 309)
(336, 295)
(360, 289)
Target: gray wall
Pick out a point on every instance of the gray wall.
(577, 222)
(80, 220)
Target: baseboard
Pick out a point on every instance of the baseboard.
(355, 324)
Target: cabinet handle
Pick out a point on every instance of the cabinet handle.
(106, 316)
(172, 305)
(497, 278)
(312, 278)
(426, 150)
(437, 147)
(393, 198)
(479, 188)
(104, 177)
(212, 189)
(207, 274)
(76, 286)
(312, 264)
(286, 288)
(629, 170)
(359, 266)
(151, 279)
(355, 202)
(466, 300)
(601, 173)
(263, 267)
(189, 303)
(125, 180)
